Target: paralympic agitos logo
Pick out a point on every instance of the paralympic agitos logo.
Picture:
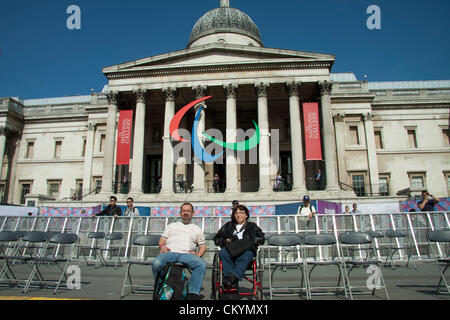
(199, 151)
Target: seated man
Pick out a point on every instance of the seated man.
(237, 228)
(111, 210)
(177, 244)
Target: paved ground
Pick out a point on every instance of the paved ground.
(105, 283)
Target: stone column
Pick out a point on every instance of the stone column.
(371, 154)
(169, 95)
(265, 184)
(137, 169)
(108, 158)
(298, 166)
(340, 146)
(231, 137)
(199, 167)
(87, 171)
(328, 137)
(3, 133)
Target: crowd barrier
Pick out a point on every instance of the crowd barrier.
(415, 224)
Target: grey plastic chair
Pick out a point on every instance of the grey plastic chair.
(326, 240)
(9, 241)
(396, 237)
(362, 242)
(145, 243)
(63, 252)
(110, 248)
(442, 261)
(285, 246)
(94, 248)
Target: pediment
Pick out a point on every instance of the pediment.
(219, 54)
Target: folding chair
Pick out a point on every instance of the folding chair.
(398, 240)
(110, 248)
(143, 242)
(362, 242)
(440, 255)
(9, 241)
(94, 248)
(321, 241)
(61, 241)
(32, 245)
(284, 245)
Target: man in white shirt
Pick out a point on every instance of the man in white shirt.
(178, 243)
(130, 210)
(306, 210)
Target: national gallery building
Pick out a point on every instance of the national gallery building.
(368, 139)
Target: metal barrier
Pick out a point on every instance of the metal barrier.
(414, 224)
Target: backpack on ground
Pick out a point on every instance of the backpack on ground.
(174, 284)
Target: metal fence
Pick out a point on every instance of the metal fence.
(415, 225)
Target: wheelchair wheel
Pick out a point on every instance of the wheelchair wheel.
(215, 278)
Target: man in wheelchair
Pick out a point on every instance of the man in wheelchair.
(239, 240)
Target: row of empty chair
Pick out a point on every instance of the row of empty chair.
(347, 252)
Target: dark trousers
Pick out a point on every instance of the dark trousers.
(238, 266)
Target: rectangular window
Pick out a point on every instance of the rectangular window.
(25, 188)
(446, 137)
(384, 186)
(102, 142)
(359, 185)
(417, 182)
(97, 184)
(30, 150)
(58, 146)
(53, 187)
(378, 140)
(412, 141)
(354, 136)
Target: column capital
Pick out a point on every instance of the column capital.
(112, 97)
(293, 88)
(91, 125)
(169, 94)
(199, 91)
(325, 87)
(230, 90)
(368, 116)
(4, 131)
(339, 117)
(262, 89)
(141, 95)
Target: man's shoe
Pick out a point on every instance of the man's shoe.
(194, 296)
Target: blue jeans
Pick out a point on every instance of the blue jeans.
(197, 265)
(238, 266)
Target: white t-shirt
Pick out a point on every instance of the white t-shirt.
(182, 238)
(239, 231)
(305, 211)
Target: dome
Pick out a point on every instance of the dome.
(225, 20)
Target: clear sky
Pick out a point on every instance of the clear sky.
(40, 57)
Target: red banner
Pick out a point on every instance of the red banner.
(312, 131)
(124, 137)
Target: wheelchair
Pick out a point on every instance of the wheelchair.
(253, 274)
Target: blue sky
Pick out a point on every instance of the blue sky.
(40, 57)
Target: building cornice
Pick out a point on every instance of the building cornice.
(410, 106)
(226, 68)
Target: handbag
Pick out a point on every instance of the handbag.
(237, 247)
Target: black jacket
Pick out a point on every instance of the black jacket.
(252, 231)
(109, 211)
